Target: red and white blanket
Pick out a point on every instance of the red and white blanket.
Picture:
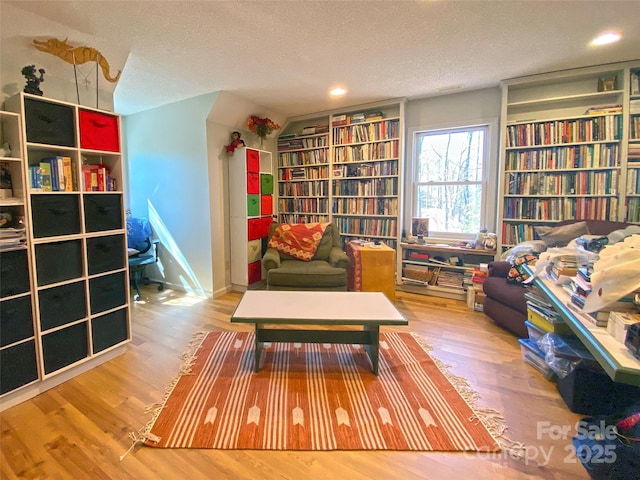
(299, 240)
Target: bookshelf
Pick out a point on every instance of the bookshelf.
(250, 213)
(565, 143)
(303, 172)
(633, 150)
(344, 167)
(76, 249)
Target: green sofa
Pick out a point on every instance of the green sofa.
(326, 271)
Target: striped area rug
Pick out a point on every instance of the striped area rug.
(319, 397)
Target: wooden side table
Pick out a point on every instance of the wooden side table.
(372, 269)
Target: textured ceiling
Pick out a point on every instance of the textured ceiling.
(285, 55)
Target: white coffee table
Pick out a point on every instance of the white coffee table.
(366, 309)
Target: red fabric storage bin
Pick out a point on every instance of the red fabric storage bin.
(254, 228)
(253, 161)
(266, 204)
(265, 226)
(253, 183)
(99, 131)
(255, 272)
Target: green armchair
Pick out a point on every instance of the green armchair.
(326, 271)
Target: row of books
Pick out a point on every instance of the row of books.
(562, 183)
(306, 205)
(312, 188)
(554, 158)
(309, 157)
(380, 227)
(58, 174)
(358, 117)
(367, 152)
(633, 210)
(558, 209)
(367, 187)
(368, 169)
(53, 174)
(603, 128)
(370, 132)
(300, 143)
(309, 173)
(366, 206)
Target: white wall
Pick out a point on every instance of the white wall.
(167, 181)
(446, 111)
(20, 28)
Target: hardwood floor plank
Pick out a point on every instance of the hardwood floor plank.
(81, 428)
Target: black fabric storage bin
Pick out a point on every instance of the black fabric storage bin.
(49, 123)
(105, 253)
(18, 366)
(64, 347)
(107, 292)
(109, 330)
(58, 261)
(102, 212)
(61, 305)
(590, 391)
(16, 322)
(55, 214)
(14, 273)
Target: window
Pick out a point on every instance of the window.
(450, 180)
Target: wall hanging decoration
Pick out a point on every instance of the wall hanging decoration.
(236, 142)
(33, 81)
(78, 56)
(262, 127)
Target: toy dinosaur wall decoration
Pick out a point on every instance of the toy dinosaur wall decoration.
(76, 55)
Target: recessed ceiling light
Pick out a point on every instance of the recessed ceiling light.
(336, 92)
(605, 38)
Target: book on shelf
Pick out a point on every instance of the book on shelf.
(45, 177)
(339, 120)
(604, 109)
(286, 136)
(310, 130)
(357, 117)
(370, 116)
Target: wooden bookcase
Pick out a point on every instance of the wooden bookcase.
(251, 191)
(565, 138)
(344, 167)
(76, 253)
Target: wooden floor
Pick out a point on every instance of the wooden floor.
(80, 429)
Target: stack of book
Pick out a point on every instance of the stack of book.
(563, 266)
(581, 288)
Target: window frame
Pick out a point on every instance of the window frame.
(488, 180)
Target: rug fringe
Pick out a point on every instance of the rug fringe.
(493, 421)
(188, 357)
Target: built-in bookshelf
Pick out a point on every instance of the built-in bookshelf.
(567, 153)
(344, 167)
(303, 172)
(633, 150)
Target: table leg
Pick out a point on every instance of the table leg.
(257, 351)
(372, 347)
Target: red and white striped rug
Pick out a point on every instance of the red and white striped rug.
(319, 397)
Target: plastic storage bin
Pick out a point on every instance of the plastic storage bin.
(532, 355)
